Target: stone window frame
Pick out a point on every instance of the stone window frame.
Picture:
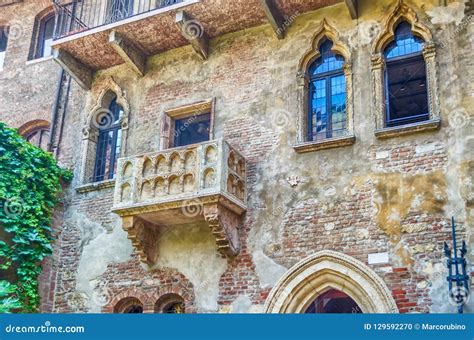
(36, 126)
(90, 135)
(325, 31)
(401, 12)
(185, 111)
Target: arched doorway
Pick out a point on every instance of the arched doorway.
(332, 281)
(333, 302)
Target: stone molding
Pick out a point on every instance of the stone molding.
(325, 270)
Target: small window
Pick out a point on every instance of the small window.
(192, 130)
(109, 141)
(406, 93)
(3, 45)
(170, 304)
(46, 34)
(39, 138)
(187, 125)
(129, 305)
(327, 87)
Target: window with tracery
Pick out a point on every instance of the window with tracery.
(327, 95)
(406, 92)
(109, 141)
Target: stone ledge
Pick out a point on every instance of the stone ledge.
(325, 144)
(429, 125)
(96, 186)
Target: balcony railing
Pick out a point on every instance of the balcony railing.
(187, 173)
(81, 15)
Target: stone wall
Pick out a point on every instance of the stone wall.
(380, 199)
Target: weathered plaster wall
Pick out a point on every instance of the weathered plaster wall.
(390, 196)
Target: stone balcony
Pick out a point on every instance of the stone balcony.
(89, 38)
(201, 183)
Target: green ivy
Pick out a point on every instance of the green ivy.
(30, 181)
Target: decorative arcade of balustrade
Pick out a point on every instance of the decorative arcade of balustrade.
(201, 183)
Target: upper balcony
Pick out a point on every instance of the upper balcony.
(93, 35)
(200, 183)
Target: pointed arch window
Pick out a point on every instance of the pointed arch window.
(406, 95)
(327, 96)
(109, 141)
(404, 76)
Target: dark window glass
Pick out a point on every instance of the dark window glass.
(405, 79)
(109, 142)
(46, 36)
(3, 45)
(192, 130)
(174, 308)
(334, 301)
(39, 138)
(327, 114)
(133, 310)
(3, 38)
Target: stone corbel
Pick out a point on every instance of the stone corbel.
(224, 225)
(194, 32)
(274, 16)
(144, 237)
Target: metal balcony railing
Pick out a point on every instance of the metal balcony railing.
(81, 15)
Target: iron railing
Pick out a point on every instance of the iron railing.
(81, 15)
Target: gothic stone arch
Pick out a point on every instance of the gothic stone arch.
(325, 270)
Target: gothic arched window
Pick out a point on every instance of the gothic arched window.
(406, 94)
(109, 141)
(327, 95)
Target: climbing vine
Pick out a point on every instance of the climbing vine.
(30, 181)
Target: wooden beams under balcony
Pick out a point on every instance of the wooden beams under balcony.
(352, 6)
(132, 56)
(194, 32)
